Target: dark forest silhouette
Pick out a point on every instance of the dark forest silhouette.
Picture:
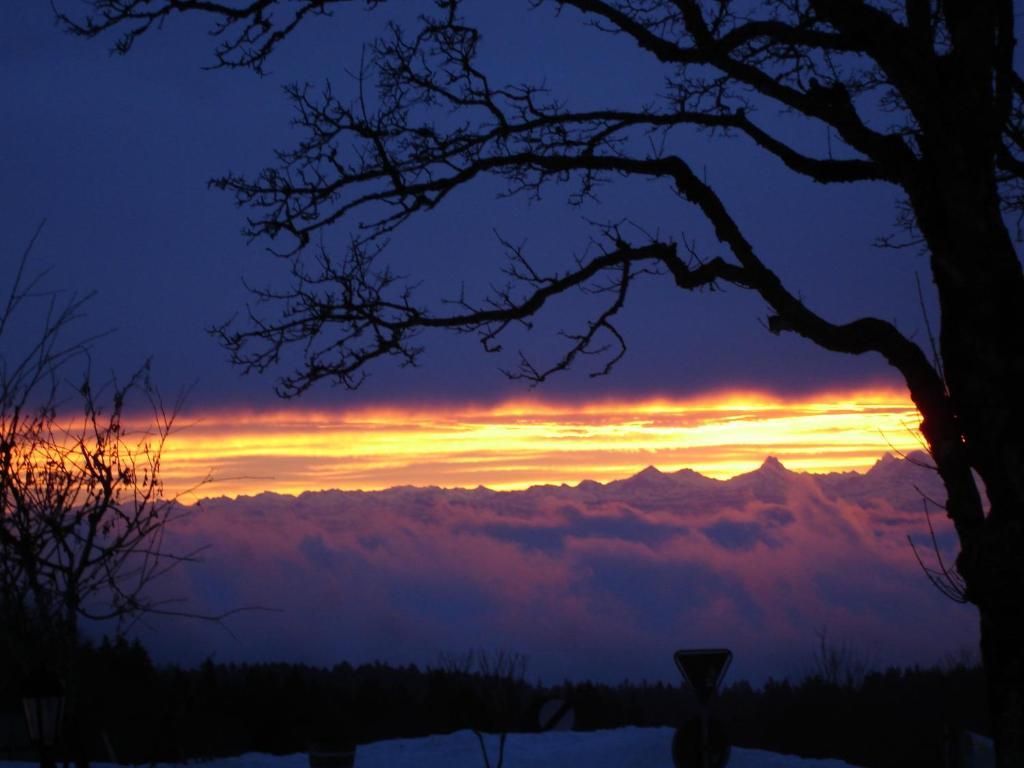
(891, 719)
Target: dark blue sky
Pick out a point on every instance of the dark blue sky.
(115, 153)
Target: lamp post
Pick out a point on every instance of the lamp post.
(43, 700)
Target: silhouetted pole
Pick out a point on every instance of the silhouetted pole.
(43, 703)
(696, 743)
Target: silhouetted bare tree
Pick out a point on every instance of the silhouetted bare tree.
(82, 509)
(499, 680)
(919, 94)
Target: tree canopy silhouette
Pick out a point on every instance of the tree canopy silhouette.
(921, 95)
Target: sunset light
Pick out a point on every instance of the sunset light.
(530, 442)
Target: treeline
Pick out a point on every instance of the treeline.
(125, 705)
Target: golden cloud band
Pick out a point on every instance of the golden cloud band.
(530, 442)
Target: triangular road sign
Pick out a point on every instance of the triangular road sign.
(556, 715)
(703, 669)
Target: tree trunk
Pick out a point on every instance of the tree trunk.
(981, 294)
(1002, 650)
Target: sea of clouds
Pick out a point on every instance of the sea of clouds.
(599, 581)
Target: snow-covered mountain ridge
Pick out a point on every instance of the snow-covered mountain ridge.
(887, 471)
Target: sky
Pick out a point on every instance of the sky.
(115, 153)
(516, 444)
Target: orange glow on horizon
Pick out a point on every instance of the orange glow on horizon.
(520, 443)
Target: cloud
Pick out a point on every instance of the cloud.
(739, 534)
(595, 581)
(517, 444)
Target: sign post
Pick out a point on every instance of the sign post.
(700, 742)
(556, 715)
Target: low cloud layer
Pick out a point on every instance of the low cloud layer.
(591, 581)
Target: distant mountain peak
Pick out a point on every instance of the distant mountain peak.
(649, 479)
(772, 464)
(887, 459)
(687, 473)
(890, 463)
(771, 471)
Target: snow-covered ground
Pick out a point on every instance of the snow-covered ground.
(619, 748)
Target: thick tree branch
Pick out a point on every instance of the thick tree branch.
(348, 314)
(831, 103)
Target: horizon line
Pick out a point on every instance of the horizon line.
(513, 445)
(893, 455)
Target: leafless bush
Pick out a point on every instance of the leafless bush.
(82, 508)
(498, 676)
(839, 664)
